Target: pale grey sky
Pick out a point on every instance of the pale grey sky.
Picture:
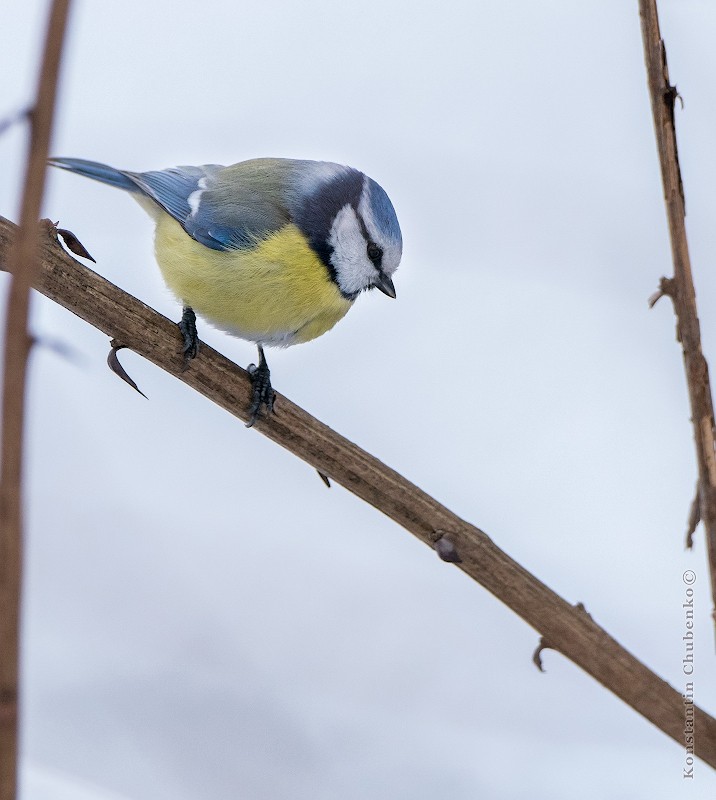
(203, 618)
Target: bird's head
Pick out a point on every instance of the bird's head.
(354, 229)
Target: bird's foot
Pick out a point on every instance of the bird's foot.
(262, 393)
(187, 327)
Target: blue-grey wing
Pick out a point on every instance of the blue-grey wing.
(172, 188)
(230, 208)
(224, 208)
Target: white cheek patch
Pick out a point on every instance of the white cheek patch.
(195, 197)
(354, 271)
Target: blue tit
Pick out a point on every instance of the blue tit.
(272, 250)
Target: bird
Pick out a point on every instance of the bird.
(272, 250)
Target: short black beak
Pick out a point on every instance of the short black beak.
(385, 285)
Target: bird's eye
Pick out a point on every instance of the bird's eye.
(375, 253)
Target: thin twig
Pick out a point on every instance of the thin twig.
(23, 259)
(567, 628)
(13, 119)
(681, 288)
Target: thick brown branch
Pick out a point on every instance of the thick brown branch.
(568, 629)
(688, 332)
(17, 345)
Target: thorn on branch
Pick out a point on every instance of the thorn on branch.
(545, 644)
(582, 608)
(445, 548)
(671, 95)
(537, 655)
(118, 369)
(324, 478)
(667, 287)
(74, 245)
(694, 518)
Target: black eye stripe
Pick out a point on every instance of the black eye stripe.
(363, 228)
(374, 251)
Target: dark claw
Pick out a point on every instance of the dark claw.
(262, 393)
(187, 327)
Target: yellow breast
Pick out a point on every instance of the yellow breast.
(279, 293)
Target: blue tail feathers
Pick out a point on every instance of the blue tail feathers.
(98, 172)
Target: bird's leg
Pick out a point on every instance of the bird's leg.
(262, 392)
(187, 326)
